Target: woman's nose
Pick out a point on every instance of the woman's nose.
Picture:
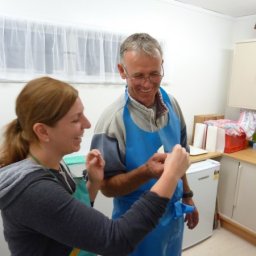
(86, 123)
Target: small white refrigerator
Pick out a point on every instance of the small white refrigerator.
(203, 180)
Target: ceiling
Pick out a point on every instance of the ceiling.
(233, 8)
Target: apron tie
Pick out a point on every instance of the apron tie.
(181, 208)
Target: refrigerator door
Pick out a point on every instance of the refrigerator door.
(203, 180)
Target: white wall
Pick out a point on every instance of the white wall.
(4, 251)
(197, 54)
(244, 28)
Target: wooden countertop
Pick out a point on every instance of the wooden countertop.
(202, 157)
(247, 155)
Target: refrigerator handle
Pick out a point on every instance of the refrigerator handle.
(204, 177)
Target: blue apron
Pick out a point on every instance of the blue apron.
(166, 238)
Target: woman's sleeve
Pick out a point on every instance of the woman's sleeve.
(49, 209)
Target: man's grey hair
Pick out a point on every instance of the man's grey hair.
(140, 42)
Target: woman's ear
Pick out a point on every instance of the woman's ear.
(41, 132)
(121, 71)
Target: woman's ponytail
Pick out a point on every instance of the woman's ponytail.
(14, 147)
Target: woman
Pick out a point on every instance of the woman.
(40, 214)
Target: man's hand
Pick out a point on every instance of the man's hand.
(192, 218)
(155, 164)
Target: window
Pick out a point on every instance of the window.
(29, 49)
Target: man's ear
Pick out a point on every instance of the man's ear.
(121, 71)
(41, 132)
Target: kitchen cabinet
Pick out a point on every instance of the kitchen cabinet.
(242, 88)
(237, 192)
(227, 186)
(244, 206)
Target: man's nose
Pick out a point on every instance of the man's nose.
(146, 81)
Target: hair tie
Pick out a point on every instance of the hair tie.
(18, 126)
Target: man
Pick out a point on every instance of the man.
(130, 133)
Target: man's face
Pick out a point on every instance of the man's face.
(143, 74)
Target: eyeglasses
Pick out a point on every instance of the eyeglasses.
(154, 78)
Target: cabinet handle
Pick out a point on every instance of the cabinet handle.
(237, 184)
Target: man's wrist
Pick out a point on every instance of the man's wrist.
(188, 194)
(149, 172)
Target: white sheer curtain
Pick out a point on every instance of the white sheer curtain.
(30, 49)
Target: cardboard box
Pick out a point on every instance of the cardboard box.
(202, 118)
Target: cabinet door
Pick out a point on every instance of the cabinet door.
(244, 205)
(242, 89)
(227, 185)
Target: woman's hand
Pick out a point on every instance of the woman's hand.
(175, 166)
(177, 162)
(95, 166)
(95, 169)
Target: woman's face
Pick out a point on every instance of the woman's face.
(66, 135)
